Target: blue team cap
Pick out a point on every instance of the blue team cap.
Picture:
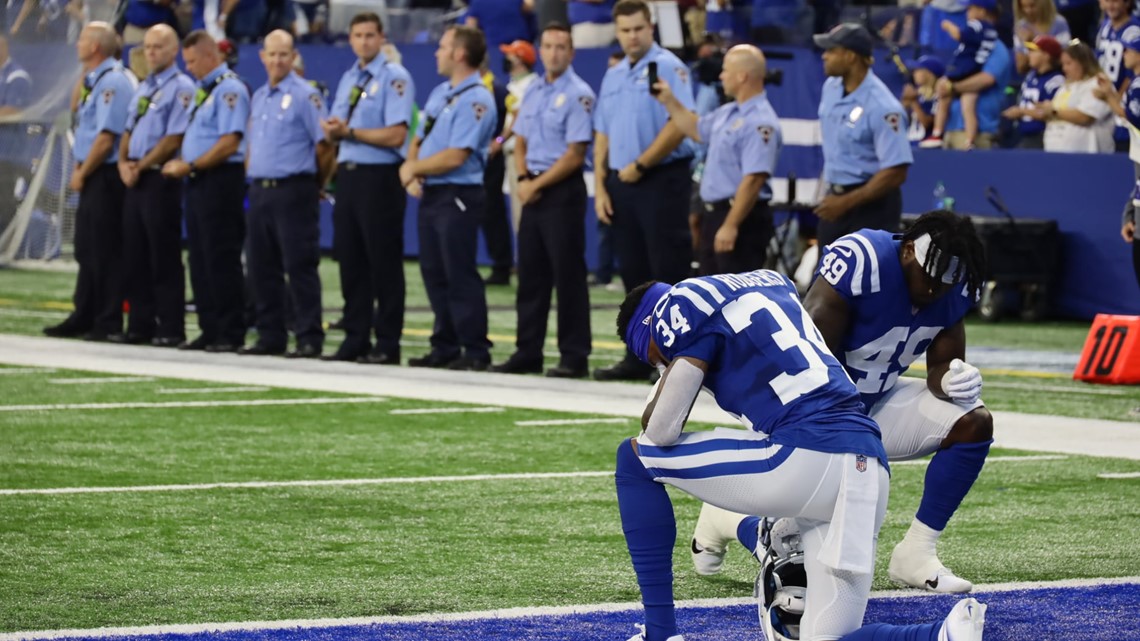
(990, 5)
(638, 331)
(931, 64)
(848, 35)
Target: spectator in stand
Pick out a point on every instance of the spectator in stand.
(311, 19)
(591, 23)
(780, 21)
(519, 58)
(1127, 107)
(931, 35)
(1082, 17)
(502, 21)
(547, 12)
(141, 15)
(989, 84)
(920, 99)
(1078, 121)
(1034, 18)
(1040, 85)
(1119, 23)
(243, 20)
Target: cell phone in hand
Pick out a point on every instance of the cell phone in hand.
(652, 78)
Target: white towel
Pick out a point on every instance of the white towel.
(849, 544)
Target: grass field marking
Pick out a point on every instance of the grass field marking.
(505, 613)
(447, 410)
(96, 380)
(1119, 475)
(996, 459)
(208, 390)
(395, 480)
(573, 421)
(11, 371)
(187, 404)
(1056, 388)
(27, 313)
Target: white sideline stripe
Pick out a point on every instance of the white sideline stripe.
(95, 380)
(996, 459)
(209, 390)
(27, 313)
(26, 370)
(1056, 388)
(396, 480)
(448, 410)
(183, 404)
(573, 421)
(1119, 475)
(505, 613)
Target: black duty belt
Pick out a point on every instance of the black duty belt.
(271, 183)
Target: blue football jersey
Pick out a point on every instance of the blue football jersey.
(768, 363)
(886, 333)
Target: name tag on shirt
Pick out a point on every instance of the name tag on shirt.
(856, 113)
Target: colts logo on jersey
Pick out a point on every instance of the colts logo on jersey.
(894, 120)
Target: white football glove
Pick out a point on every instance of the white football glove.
(962, 382)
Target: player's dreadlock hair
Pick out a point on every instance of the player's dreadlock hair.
(629, 307)
(951, 235)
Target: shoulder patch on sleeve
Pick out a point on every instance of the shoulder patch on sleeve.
(766, 133)
(480, 110)
(894, 120)
(586, 102)
(230, 99)
(315, 98)
(683, 74)
(108, 94)
(399, 85)
(184, 98)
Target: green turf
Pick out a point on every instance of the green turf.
(87, 560)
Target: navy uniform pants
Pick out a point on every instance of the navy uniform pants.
(448, 228)
(751, 249)
(99, 252)
(552, 245)
(152, 248)
(884, 213)
(495, 221)
(215, 231)
(368, 241)
(651, 225)
(284, 241)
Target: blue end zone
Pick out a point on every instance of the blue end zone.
(1098, 613)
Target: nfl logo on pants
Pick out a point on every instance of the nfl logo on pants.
(860, 463)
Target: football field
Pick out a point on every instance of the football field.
(162, 494)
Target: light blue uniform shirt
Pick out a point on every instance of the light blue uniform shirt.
(160, 107)
(992, 100)
(863, 132)
(387, 95)
(224, 111)
(743, 139)
(553, 115)
(284, 129)
(464, 118)
(103, 107)
(630, 117)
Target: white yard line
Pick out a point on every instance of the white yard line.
(505, 613)
(522, 476)
(209, 390)
(996, 459)
(1098, 391)
(573, 421)
(448, 410)
(99, 380)
(26, 313)
(11, 371)
(1119, 475)
(185, 404)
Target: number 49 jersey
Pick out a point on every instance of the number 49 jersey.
(768, 363)
(885, 332)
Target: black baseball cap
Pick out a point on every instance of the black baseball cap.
(849, 35)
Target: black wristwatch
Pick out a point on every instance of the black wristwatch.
(351, 134)
(639, 167)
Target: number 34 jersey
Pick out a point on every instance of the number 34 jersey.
(768, 363)
(885, 333)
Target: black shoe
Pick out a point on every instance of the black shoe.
(498, 278)
(197, 345)
(130, 338)
(222, 348)
(337, 324)
(378, 357)
(517, 365)
(626, 370)
(308, 350)
(431, 359)
(563, 371)
(469, 364)
(167, 341)
(344, 355)
(258, 349)
(99, 336)
(66, 329)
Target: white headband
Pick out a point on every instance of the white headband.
(922, 252)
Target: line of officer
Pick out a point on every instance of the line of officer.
(448, 159)
(213, 152)
(370, 119)
(288, 160)
(865, 149)
(552, 133)
(744, 141)
(641, 168)
(102, 112)
(152, 212)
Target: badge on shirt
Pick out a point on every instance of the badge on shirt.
(315, 98)
(894, 120)
(230, 99)
(374, 87)
(560, 100)
(480, 110)
(399, 86)
(736, 124)
(856, 113)
(286, 100)
(157, 96)
(765, 134)
(586, 102)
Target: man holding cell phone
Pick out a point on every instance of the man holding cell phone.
(641, 168)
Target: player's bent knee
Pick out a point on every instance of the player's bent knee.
(628, 463)
(975, 427)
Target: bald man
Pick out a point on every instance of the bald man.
(152, 214)
(288, 162)
(101, 116)
(744, 141)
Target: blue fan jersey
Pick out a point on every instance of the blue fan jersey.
(885, 332)
(768, 363)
